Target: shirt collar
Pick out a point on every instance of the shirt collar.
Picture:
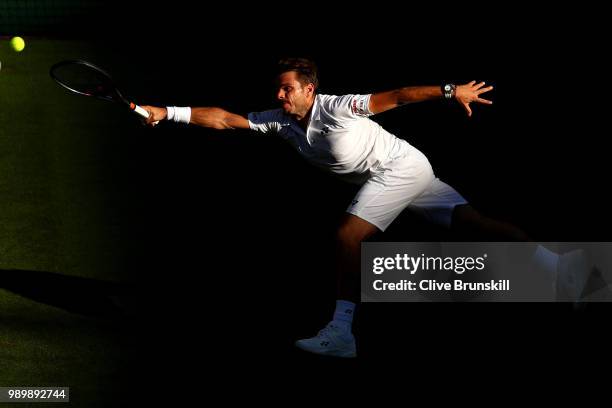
(314, 115)
(316, 110)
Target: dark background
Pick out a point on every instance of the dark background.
(230, 234)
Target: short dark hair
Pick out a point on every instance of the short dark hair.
(306, 70)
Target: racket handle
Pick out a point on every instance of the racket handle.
(139, 110)
(142, 112)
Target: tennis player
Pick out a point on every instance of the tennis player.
(336, 134)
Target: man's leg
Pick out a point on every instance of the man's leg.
(352, 231)
(380, 200)
(336, 338)
(467, 220)
(568, 272)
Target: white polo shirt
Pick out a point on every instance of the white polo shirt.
(340, 138)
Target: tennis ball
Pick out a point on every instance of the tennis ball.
(17, 44)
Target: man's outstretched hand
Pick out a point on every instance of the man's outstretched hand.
(470, 92)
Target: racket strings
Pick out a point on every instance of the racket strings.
(85, 80)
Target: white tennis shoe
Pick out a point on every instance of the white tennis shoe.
(572, 275)
(330, 341)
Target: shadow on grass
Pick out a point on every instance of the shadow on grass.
(84, 296)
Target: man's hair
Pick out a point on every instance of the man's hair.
(306, 70)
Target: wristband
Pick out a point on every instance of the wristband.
(179, 114)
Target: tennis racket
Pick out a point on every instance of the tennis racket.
(84, 78)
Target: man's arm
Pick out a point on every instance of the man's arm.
(464, 94)
(215, 118)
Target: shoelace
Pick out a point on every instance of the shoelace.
(326, 329)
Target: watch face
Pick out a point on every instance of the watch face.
(447, 87)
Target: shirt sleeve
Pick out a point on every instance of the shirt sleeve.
(349, 107)
(266, 121)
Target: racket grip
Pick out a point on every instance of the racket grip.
(142, 112)
(139, 110)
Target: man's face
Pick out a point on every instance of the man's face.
(294, 98)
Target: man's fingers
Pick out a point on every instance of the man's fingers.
(483, 90)
(478, 86)
(143, 120)
(150, 119)
(466, 106)
(472, 83)
(485, 101)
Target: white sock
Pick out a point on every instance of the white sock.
(547, 260)
(343, 315)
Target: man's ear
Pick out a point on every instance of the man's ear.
(310, 88)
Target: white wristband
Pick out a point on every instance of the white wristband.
(179, 114)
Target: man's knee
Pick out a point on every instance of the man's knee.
(353, 231)
(465, 215)
(467, 221)
(346, 237)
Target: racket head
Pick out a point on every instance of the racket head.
(85, 78)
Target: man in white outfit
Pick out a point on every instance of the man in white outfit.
(334, 133)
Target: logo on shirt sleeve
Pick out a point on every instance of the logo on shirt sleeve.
(359, 107)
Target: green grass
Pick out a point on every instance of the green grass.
(44, 346)
(58, 213)
(54, 211)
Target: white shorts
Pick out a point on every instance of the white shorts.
(406, 181)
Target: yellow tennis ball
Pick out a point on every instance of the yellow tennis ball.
(17, 44)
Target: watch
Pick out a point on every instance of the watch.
(448, 90)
